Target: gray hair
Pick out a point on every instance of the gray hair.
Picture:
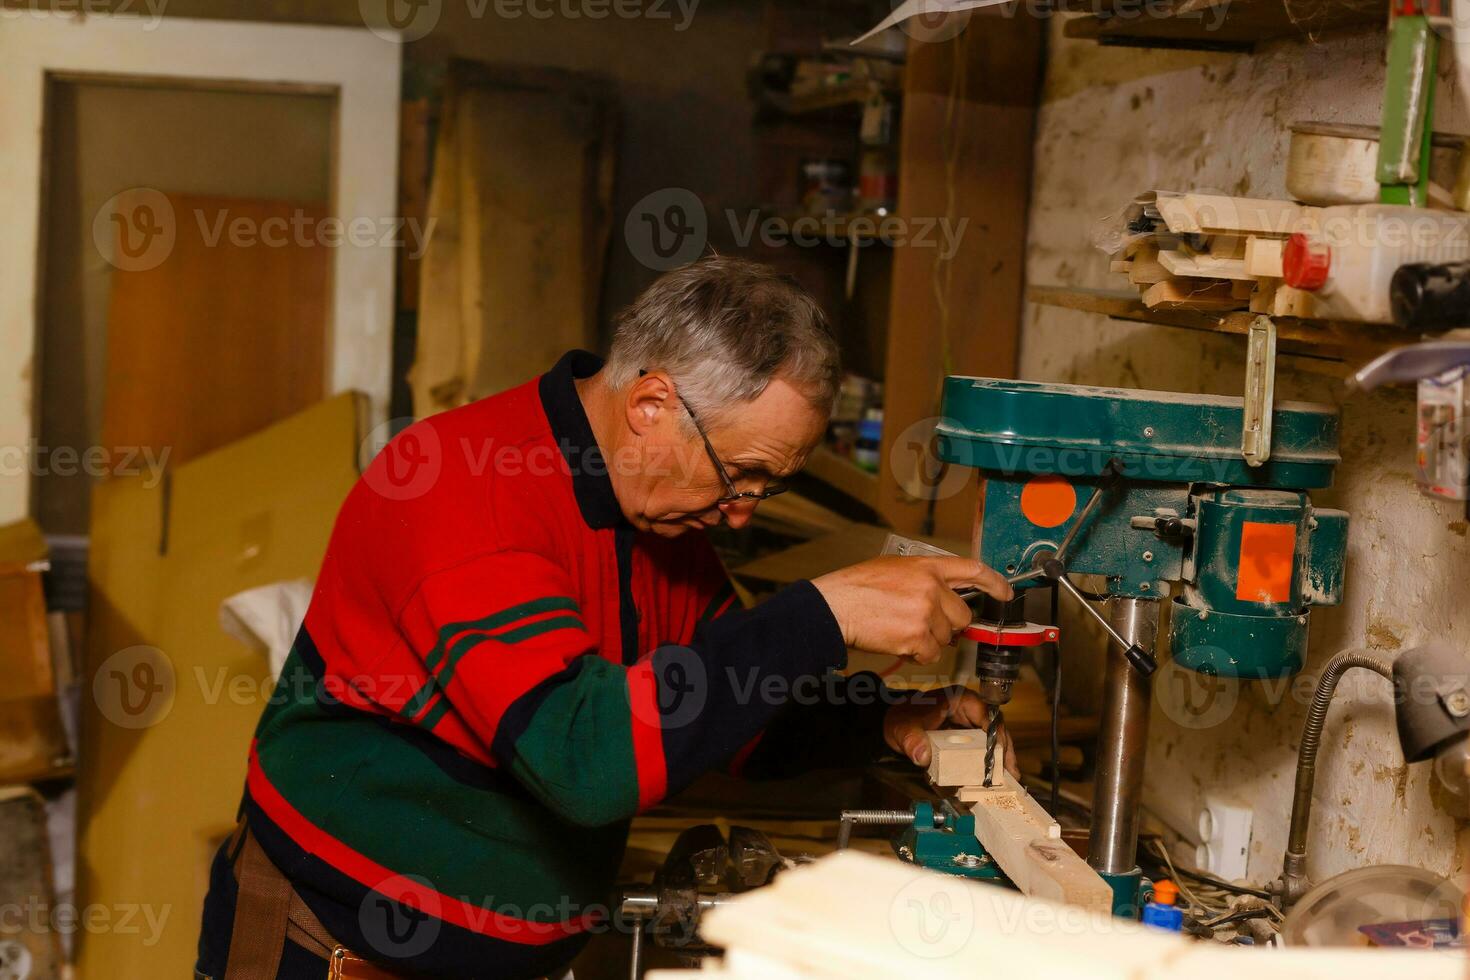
(723, 328)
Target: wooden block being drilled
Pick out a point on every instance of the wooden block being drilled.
(957, 757)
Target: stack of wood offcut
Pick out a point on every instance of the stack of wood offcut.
(1210, 252)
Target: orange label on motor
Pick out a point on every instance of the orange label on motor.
(1267, 553)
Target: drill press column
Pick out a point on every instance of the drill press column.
(1121, 744)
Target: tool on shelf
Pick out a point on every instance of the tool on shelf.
(1408, 100)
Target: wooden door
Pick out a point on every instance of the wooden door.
(220, 333)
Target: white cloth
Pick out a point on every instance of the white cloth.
(267, 618)
(914, 8)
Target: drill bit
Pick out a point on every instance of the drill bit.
(992, 733)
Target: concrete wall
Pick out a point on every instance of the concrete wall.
(1116, 122)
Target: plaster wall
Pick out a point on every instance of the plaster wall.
(1115, 122)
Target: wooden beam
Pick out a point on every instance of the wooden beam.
(1213, 24)
(965, 164)
(1021, 836)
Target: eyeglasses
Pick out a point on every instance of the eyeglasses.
(732, 495)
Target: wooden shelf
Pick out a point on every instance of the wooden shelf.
(1335, 340)
(850, 94)
(1219, 25)
(844, 475)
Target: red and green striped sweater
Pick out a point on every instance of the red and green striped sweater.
(497, 672)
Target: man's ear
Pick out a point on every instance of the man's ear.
(651, 394)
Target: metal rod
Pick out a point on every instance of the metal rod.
(1116, 637)
(869, 818)
(1081, 521)
(1122, 739)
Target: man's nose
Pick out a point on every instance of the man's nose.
(737, 515)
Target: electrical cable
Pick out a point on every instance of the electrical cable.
(1183, 888)
(941, 273)
(1239, 915)
(1223, 885)
(1056, 703)
(1208, 880)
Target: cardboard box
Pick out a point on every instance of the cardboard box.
(170, 701)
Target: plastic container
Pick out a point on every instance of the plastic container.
(1347, 256)
(865, 452)
(1381, 905)
(1162, 913)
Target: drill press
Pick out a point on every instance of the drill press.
(1146, 490)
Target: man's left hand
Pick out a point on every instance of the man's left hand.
(906, 725)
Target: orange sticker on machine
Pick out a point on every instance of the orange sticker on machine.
(1048, 501)
(1267, 555)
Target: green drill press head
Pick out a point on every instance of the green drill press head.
(1247, 549)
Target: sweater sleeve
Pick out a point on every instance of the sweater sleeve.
(834, 723)
(594, 740)
(830, 721)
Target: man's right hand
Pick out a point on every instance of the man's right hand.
(906, 607)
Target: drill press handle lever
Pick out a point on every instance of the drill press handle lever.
(1142, 661)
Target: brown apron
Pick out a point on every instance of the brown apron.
(268, 910)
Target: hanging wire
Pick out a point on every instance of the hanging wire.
(1056, 704)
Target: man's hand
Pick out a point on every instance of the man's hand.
(905, 726)
(906, 607)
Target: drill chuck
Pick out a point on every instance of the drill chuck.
(1001, 634)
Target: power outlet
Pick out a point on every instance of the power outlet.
(1225, 833)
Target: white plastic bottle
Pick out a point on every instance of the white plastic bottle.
(1346, 256)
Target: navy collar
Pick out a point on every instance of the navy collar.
(573, 434)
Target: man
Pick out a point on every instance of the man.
(516, 644)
